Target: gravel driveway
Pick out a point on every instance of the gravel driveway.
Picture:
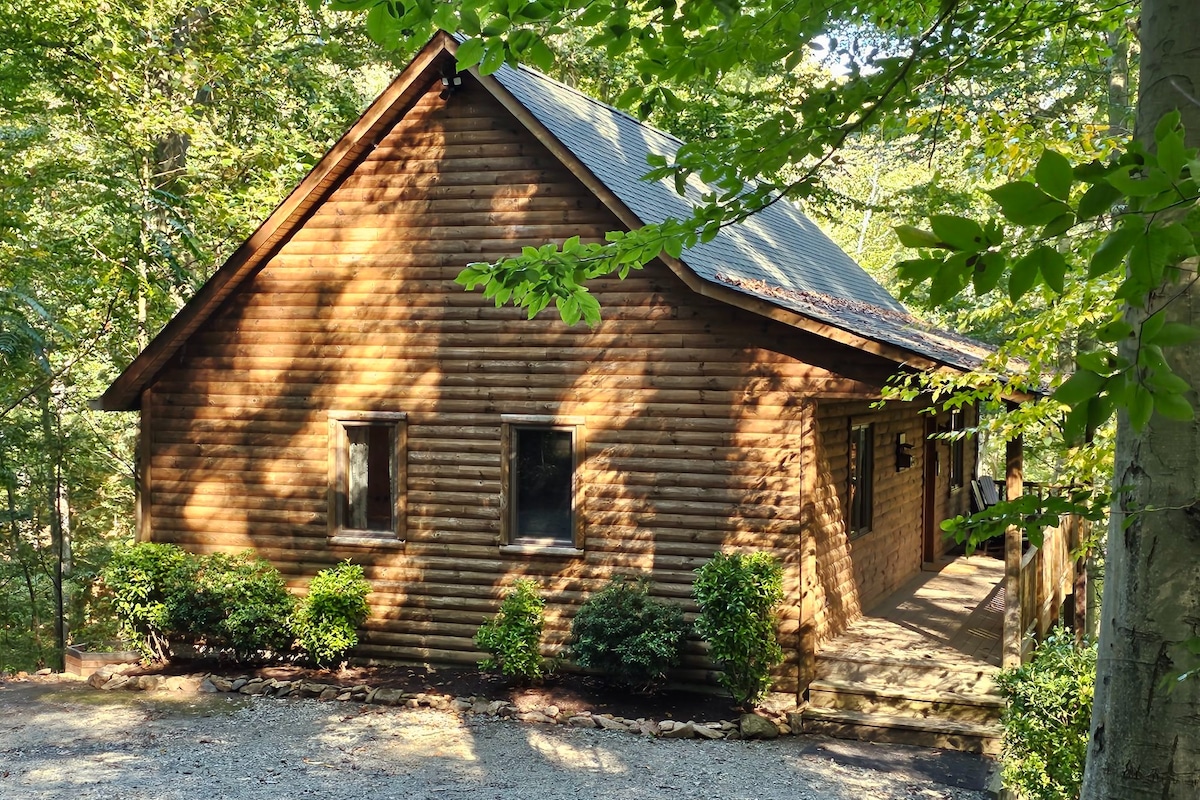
(65, 740)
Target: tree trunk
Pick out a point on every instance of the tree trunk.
(1146, 725)
(53, 450)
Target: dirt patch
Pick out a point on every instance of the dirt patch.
(571, 692)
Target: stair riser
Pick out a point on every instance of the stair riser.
(905, 707)
(934, 678)
(965, 743)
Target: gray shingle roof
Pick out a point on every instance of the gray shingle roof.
(779, 254)
(780, 245)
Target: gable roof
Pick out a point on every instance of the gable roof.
(778, 263)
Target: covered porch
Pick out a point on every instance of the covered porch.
(920, 665)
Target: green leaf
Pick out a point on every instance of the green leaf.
(1054, 175)
(540, 55)
(950, 279)
(1150, 255)
(1114, 331)
(493, 58)
(1136, 180)
(1058, 226)
(1081, 386)
(382, 27)
(1161, 381)
(1097, 200)
(918, 270)
(1075, 425)
(915, 237)
(1026, 204)
(1172, 334)
(1141, 406)
(1023, 276)
(1112, 251)
(1174, 406)
(988, 271)
(1172, 155)
(1053, 266)
(1099, 409)
(469, 20)
(1096, 360)
(469, 54)
(958, 232)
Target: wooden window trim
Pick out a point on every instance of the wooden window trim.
(868, 507)
(958, 451)
(339, 533)
(509, 542)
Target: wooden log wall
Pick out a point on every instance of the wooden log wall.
(851, 574)
(692, 407)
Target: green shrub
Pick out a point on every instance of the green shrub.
(161, 593)
(736, 594)
(327, 619)
(632, 638)
(513, 637)
(1047, 720)
(146, 581)
(239, 603)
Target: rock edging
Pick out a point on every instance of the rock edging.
(760, 725)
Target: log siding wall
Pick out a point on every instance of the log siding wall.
(694, 410)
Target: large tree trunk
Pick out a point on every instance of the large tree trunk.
(1146, 725)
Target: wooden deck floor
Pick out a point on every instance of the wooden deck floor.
(953, 616)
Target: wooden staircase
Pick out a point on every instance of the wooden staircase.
(909, 701)
(920, 668)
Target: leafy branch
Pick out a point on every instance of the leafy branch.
(1143, 207)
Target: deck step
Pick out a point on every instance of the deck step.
(918, 674)
(966, 737)
(918, 703)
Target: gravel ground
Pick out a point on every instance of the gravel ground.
(65, 740)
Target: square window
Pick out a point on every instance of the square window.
(862, 478)
(366, 497)
(540, 482)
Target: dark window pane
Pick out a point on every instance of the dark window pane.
(369, 497)
(862, 469)
(957, 455)
(543, 469)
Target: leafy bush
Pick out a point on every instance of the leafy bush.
(160, 593)
(327, 619)
(631, 637)
(1046, 723)
(238, 602)
(146, 581)
(736, 594)
(513, 637)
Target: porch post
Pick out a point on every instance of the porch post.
(1014, 484)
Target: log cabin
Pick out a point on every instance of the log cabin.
(331, 393)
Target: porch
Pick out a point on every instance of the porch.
(920, 666)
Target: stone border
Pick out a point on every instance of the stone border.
(760, 725)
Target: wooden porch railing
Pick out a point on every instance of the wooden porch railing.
(1037, 580)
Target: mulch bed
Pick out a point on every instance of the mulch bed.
(571, 692)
